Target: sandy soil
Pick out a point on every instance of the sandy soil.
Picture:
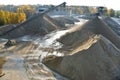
(2, 62)
(93, 53)
(13, 68)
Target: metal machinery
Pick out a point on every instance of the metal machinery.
(101, 10)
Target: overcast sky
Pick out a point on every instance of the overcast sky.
(115, 4)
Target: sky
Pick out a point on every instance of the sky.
(115, 4)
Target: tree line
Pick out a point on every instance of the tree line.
(113, 13)
(7, 17)
(10, 14)
(90, 10)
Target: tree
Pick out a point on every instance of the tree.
(2, 19)
(111, 12)
(28, 10)
(7, 17)
(21, 17)
(92, 10)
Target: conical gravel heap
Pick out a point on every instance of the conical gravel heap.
(93, 53)
(41, 25)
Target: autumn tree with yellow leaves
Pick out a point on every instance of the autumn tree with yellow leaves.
(28, 10)
(7, 17)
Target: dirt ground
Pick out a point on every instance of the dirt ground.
(2, 62)
(12, 67)
(93, 53)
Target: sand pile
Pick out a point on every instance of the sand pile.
(99, 62)
(66, 19)
(36, 25)
(6, 28)
(114, 25)
(94, 51)
(77, 35)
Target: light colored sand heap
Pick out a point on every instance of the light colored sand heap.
(93, 53)
(41, 25)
